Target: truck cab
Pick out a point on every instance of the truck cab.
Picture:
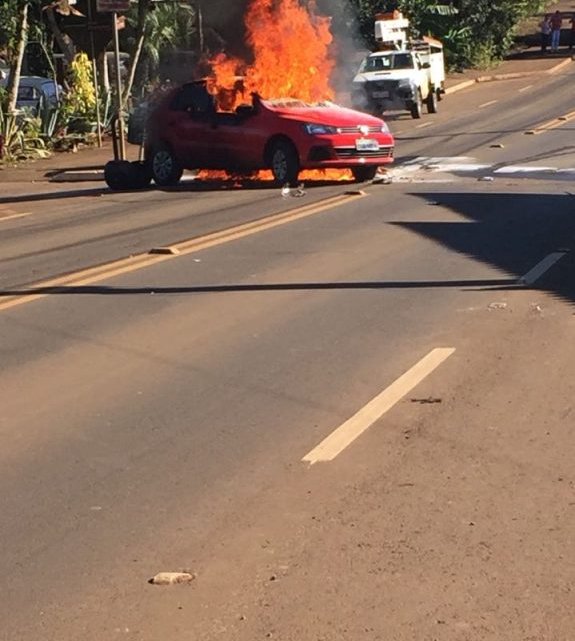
(403, 74)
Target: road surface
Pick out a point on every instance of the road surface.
(351, 422)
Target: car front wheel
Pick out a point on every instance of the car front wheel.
(431, 102)
(166, 170)
(416, 107)
(363, 174)
(285, 163)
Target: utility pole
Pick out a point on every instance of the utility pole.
(95, 73)
(113, 7)
(120, 102)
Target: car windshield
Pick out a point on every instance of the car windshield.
(387, 62)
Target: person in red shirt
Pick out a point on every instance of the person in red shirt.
(556, 24)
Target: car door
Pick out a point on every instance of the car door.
(228, 142)
(188, 125)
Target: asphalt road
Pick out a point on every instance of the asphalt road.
(166, 416)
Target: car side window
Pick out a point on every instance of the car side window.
(26, 93)
(403, 61)
(193, 99)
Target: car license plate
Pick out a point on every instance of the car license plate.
(366, 144)
(381, 94)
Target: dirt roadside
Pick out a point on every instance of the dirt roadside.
(87, 163)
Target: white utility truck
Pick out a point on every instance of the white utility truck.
(403, 74)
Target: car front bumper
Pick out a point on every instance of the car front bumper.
(344, 155)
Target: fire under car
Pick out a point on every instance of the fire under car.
(185, 130)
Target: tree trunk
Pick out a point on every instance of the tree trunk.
(143, 10)
(64, 42)
(16, 67)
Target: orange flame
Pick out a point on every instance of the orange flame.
(291, 59)
(290, 45)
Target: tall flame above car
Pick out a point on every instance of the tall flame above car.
(291, 54)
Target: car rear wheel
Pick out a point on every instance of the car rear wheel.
(166, 170)
(363, 174)
(285, 163)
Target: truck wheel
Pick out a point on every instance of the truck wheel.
(284, 163)
(363, 174)
(417, 107)
(431, 102)
(165, 168)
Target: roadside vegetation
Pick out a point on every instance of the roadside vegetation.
(162, 36)
(476, 33)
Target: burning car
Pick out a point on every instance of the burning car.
(186, 130)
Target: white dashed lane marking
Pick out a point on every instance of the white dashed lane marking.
(543, 266)
(487, 104)
(354, 427)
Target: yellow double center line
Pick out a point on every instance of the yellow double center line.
(133, 263)
(552, 124)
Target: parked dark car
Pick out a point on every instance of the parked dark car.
(35, 92)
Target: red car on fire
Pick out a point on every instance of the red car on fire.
(186, 131)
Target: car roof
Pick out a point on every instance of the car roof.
(35, 81)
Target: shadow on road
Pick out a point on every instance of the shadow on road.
(185, 186)
(508, 231)
(269, 287)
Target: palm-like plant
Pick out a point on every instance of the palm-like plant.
(168, 27)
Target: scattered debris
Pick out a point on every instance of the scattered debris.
(497, 145)
(536, 308)
(492, 306)
(382, 178)
(172, 251)
(296, 192)
(427, 401)
(487, 179)
(354, 192)
(299, 191)
(172, 578)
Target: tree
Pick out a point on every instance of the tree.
(21, 39)
(169, 27)
(474, 31)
